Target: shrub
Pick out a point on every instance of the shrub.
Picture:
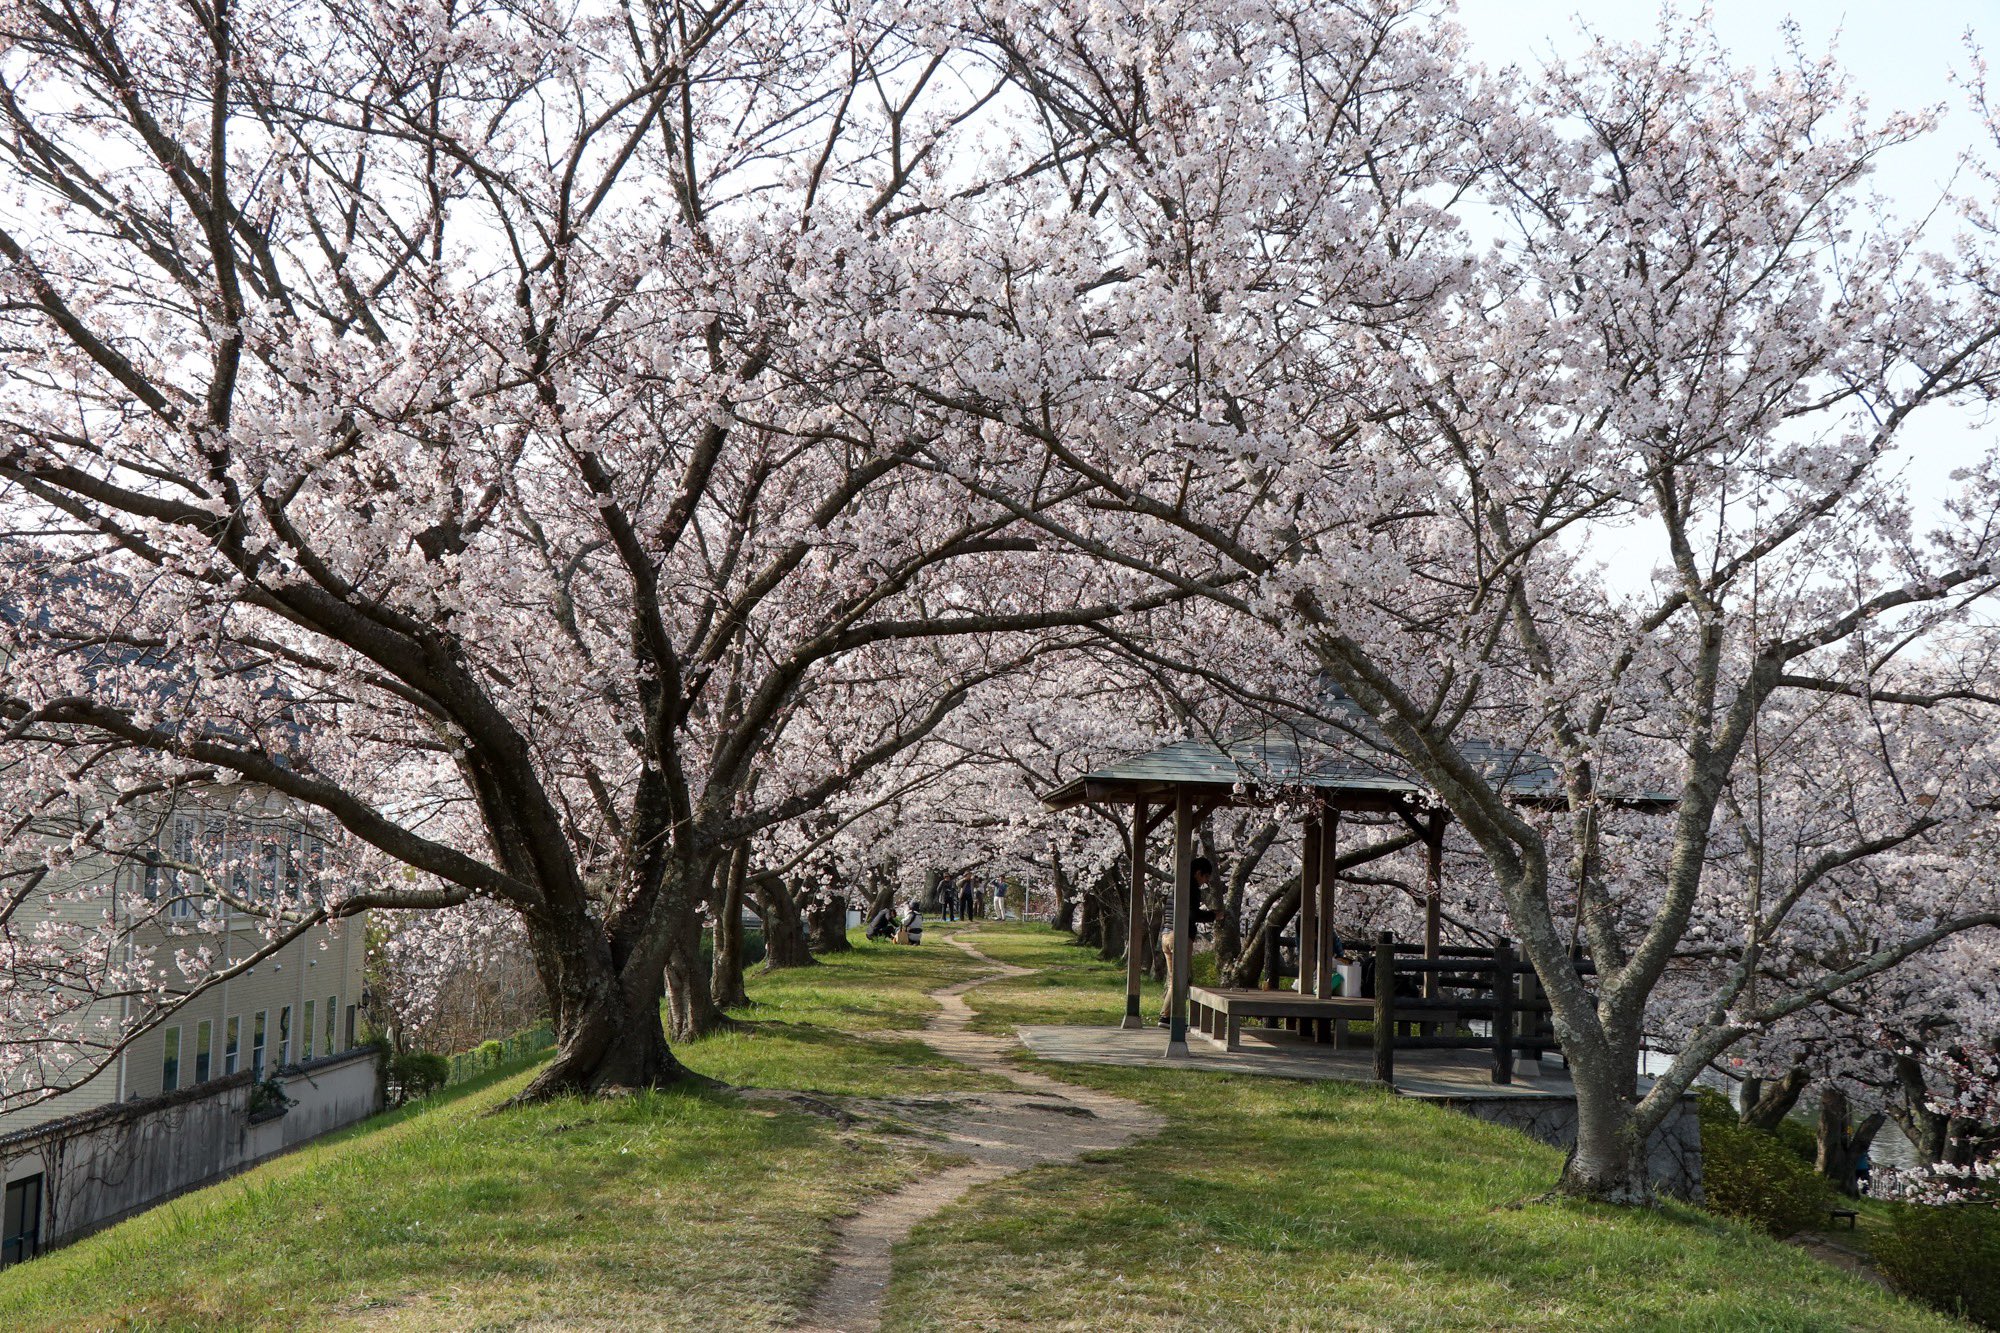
(1799, 1138)
(268, 1101)
(490, 1053)
(1749, 1174)
(418, 1074)
(1948, 1258)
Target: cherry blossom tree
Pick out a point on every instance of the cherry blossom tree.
(1378, 351)
(453, 401)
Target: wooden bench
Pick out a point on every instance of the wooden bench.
(1836, 1214)
(1218, 1014)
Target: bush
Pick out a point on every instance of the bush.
(267, 1101)
(418, 1074)
(1948, 1258)
(1799, 1138)
(1754, 1176)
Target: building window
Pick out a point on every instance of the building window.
(270, 863)
(232, 1034)
(257, 1046)
(21, 1221)
(332, 1003)
(170, 1063)
(178, 888)
(306, 1033)
(284, 1036)
(350, 1027)
(204, 1031)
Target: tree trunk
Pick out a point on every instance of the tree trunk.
(691, 1008)
(785, 943)
(1841, 1149)
(1066, 896)
(826, 923)
(609, 1034)
(1109, 892)
(1089, 919)
(1765, 1107)
(1272, 919)
(1608, 1162)
(725, 970)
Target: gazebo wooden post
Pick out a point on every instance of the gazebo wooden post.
(1433, 903)
(1183, 919)
(1309, 910)
(1329, 832)
(1135, 920)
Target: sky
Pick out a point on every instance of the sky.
(1899, 54)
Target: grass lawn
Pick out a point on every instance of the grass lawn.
(1277, 1204)
(676, 1210)
(1266, 1204)
(683, 1211)
(797, 1031)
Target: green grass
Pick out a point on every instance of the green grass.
(1273, 1204)
(1266, 1204)
(444, 1216)
(677, 1210)
(799, 1030)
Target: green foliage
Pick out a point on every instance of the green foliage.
(415, 1074)
(1799, 1139)
(1754, 1176)
(267, 1100)
(1948, 1258)
(501, 1051)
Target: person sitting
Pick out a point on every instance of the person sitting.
(882, 925)
(913, 927)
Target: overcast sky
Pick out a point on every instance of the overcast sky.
(1900, 55)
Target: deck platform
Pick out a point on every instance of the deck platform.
(1218, 1014)
(1275, 1053)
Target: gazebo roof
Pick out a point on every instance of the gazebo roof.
(1348, 763)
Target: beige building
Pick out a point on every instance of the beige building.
(219, 859)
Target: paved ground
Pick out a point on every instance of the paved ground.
(1282, 1055)
(1000, 1132)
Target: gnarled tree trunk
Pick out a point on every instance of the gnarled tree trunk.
(785, 943)
(1765, 1107)
(826, 923)
(725, 969)
(609, 1033)
(1066, 895)
(1841, 1148)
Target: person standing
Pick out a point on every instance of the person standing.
(1203, 870)
(966, 896)
(947, 897)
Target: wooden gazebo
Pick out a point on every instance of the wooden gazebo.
(1339, 769)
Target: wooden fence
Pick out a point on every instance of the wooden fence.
(1461, 983)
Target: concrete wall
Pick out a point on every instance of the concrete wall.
(1674, 1156)
(109, 1163)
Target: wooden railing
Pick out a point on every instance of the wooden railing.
(1487, 983)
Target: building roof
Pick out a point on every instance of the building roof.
(1346, 760)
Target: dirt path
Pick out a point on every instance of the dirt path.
(1001, 1132)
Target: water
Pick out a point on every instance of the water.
(1891, 1147)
